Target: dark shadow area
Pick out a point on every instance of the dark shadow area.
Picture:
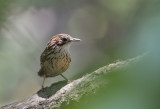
(49, 91)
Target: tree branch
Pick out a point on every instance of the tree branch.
(61, 92)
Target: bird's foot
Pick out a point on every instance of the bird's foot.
(69, 81)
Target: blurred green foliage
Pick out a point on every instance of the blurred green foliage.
(110, 29)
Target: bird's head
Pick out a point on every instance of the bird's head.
(62, 40)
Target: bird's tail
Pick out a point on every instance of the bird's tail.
(41, 72)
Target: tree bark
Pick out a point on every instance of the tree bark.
(61, 92)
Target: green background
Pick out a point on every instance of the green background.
(110, 30)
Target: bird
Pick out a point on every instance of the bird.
(56, 58)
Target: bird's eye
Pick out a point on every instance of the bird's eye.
(64, 39)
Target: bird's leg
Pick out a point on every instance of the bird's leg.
(65, 78)
(44, 77)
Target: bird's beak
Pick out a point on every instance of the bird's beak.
(75, 40)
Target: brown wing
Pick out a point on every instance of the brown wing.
(43, 56)
(50, 49)
(42, 60)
